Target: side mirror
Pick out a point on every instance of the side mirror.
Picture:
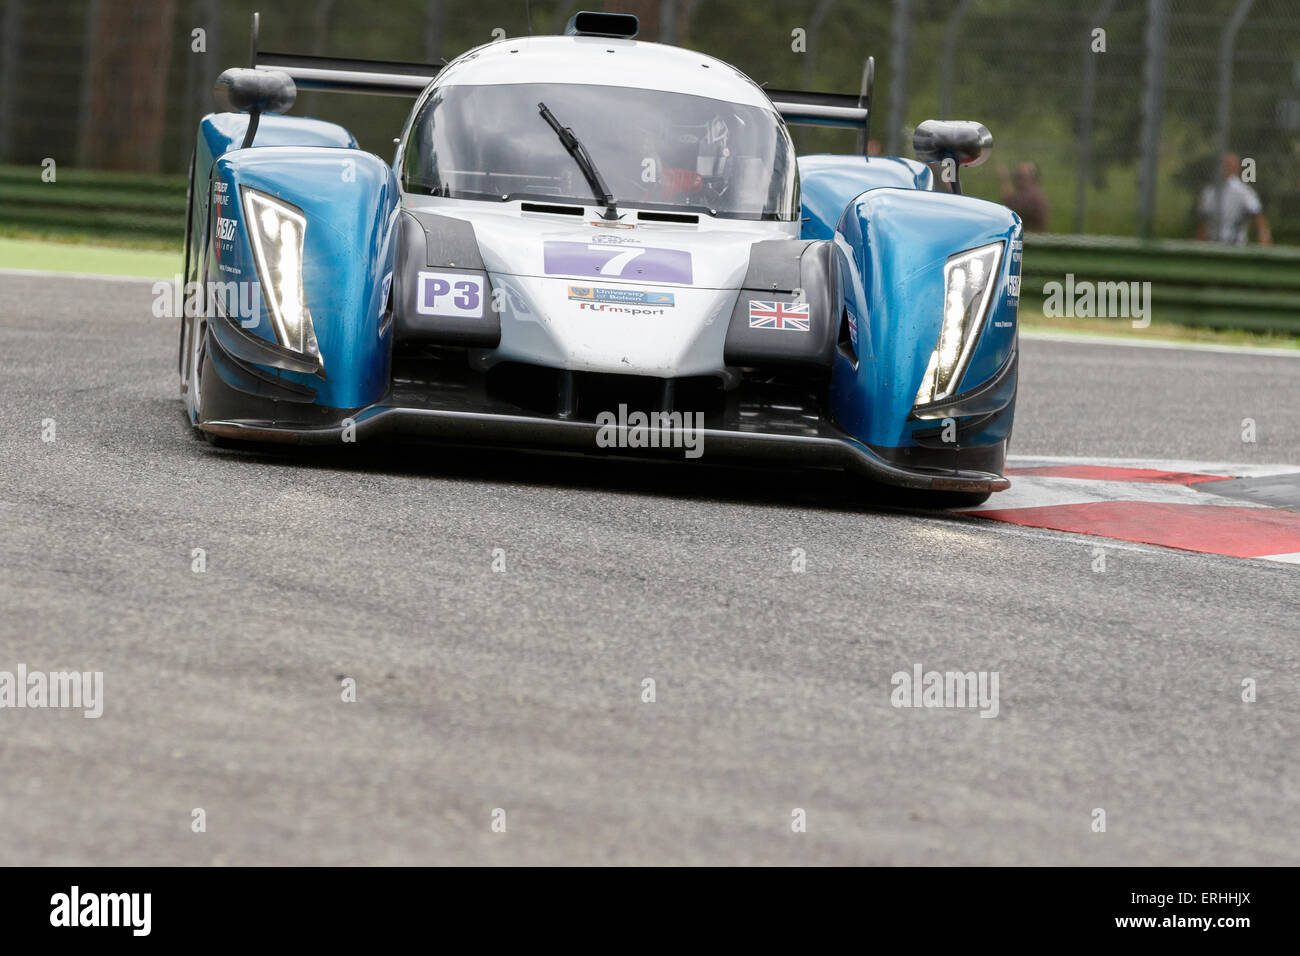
(254, 92)
(964, 142)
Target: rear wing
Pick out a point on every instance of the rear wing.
(338, 75)
(801, 108)
(388, 78)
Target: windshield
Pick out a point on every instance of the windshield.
(653, 149)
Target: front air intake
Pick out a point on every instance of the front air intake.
(688, 218)
(585, 23)
(552, 209)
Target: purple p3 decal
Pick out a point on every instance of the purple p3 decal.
(641, 263)
(453, 295)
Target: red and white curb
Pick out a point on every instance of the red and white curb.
(1167, 503)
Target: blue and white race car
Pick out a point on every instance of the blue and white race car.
(596, 244)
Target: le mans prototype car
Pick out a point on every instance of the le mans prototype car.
(600, 245)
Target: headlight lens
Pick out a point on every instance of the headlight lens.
(968, 281)
(276, 230)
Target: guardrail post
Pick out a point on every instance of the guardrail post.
(814, 30)
(83, 102)
(324, 13)
(433, 32)
(1226, 43)
(810, 54)
(1153, 71)
(9, 51)
(947, 63)
(1223, 117)
(668, 22)
(900, 40)
(1086, 104)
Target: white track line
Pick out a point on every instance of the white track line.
(1075, 539)
(1067, 338)
(43, 274)
(1233, 469)
(1042, 491)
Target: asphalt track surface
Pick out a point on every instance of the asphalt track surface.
(522, 690)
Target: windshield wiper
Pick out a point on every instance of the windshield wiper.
(583, 159)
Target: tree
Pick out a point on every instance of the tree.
(124, 94)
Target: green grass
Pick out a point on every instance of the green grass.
(47, 256)
(1161, 331)
(80, 236)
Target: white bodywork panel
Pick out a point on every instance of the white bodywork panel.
(542, 322)
(600, 61)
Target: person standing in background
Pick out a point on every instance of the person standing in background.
(1024, 195)
(1226, 208)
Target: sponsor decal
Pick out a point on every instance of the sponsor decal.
(450, 295)
(220, 196)
(779, 315)
(614, 240)
(383, 294)
(623, 296)
(619, 309)
(596, 259)
(225, 228)
(1013, 287)
(1017, 249)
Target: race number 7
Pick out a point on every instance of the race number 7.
(615, 265)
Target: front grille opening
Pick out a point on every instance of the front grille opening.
(845, 341)
(582, 396)
(775, 401)
(552, 208)
(530, 387)
(786, 403)
(596, 392)
(436, 366)
(682, 217)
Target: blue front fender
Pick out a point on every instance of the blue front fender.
(349, 199)
(893, 245)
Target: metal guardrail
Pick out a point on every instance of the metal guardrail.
(1192, 283)
(94, 204)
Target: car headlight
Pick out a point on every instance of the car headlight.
(968, 281)
(276, 230)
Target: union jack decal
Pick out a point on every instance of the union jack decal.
(779, 315)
